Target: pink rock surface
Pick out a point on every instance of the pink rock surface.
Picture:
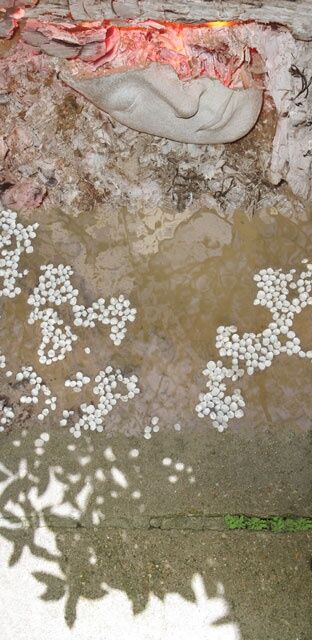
(217, 52)
(24, 195)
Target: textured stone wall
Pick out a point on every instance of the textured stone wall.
(296, 14)
(57, 147)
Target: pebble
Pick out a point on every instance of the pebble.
(177, 426)
(255, 352)
(77, 383)
(54, 288)
(6, 415)
(134, 453)
(15, 239)
(116, 313)
(92, 416)
(28, 374)
(151, 428)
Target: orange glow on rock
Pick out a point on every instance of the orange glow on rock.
(214, 49)
(177, 26)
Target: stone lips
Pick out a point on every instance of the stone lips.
(153, 100)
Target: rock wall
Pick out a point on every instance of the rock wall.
(295, 14)
(58, 149)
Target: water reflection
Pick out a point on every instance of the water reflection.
(183, 288)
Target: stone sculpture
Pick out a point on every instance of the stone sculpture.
(152, 99)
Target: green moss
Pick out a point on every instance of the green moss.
(277, 524)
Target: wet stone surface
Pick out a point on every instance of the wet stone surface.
(184, 283)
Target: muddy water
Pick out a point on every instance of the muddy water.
(184, 280)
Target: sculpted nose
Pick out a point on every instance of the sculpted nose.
(183, 98)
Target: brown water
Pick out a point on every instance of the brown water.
(184, 282)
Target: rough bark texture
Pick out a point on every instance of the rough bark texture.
(288, 67)
(295, 14)
(83, 156)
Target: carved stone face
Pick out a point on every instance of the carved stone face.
(153, 100)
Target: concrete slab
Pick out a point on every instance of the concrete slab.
(118, 480)
(154, 585)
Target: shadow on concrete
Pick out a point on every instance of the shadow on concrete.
(97, 510)
(98, 497)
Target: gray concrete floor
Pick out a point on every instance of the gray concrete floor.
(84, 521)
(264, 579)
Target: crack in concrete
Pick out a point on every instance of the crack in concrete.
(165, 522)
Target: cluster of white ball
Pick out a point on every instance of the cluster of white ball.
(255, 352)
(77, 382)
(54, 287)
(151, 428)
(274, 292)
(41, 442)
(115, 314)
(56, 342)
(106, 388)
(38, 388)
(67, 413)
(13, 232)
(215, 403)
(251, 351)
(6, 415)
